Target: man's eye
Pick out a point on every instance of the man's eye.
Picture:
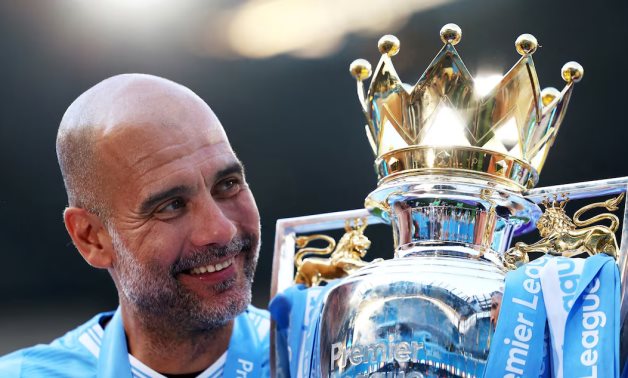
(171, 206)
(228, 187)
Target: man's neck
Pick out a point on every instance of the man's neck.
(171, 350)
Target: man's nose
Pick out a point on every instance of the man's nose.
(212, 226)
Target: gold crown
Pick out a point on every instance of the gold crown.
(555, 203)
(445, 124)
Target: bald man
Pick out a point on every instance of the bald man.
(158, 198)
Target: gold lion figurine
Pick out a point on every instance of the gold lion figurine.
(342, 261)
(563, 236)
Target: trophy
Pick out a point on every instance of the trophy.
(457, 169)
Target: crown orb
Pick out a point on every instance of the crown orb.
(548, 95)
(389, 45)
(572, 72)
(526, 44)
(451, 33)
(360, 69)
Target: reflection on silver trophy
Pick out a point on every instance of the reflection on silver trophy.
(457, 159)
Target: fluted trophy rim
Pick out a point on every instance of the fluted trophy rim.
(505, 170)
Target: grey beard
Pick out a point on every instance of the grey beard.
(164, 304)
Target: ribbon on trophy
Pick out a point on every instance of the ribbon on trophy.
(559, 318)
(296, 312)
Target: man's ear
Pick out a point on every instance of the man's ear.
(90, 237)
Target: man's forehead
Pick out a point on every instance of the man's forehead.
(129, 144)
(154, 142)
(148, 127)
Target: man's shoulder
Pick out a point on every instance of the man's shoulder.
(69, 355)
(47, 361)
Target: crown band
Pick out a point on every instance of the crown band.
(500, 168)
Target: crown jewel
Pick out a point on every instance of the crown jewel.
(445, 123)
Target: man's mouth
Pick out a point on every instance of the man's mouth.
(212, 268)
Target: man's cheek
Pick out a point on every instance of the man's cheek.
(249, 207)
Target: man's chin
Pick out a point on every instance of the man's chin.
(231, 291)
(228, 303)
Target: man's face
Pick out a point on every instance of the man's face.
(496, 304)
(183, 222)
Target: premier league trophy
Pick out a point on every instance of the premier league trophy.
(457, 168)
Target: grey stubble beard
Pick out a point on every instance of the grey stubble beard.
(167, 307)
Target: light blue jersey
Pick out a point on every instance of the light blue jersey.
(91, 351)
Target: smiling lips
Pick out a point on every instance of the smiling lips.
(212, 268)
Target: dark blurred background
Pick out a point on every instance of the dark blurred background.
(276, 73)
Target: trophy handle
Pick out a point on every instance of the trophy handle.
(286, 232)
(591, 189)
